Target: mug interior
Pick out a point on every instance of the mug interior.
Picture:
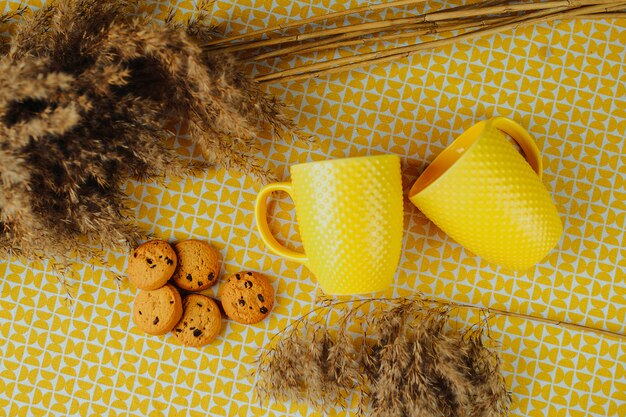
(447, 158)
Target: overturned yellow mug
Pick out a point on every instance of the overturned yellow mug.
(350, 213)
(490, 199)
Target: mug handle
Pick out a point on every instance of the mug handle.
(260, 213)
(523, 138)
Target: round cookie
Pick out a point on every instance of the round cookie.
(157, 312)
(151, 265)
(201, 321)
(247, 297)
(198, 265)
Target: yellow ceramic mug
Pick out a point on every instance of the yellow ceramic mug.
(350, 215)
(485, 195)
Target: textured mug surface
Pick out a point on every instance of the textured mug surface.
(350, 213)
(490, 199)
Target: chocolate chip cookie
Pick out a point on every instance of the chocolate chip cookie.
(201, 321)
(198, 265)
(157, 312)
(247, 297)
(151, 265)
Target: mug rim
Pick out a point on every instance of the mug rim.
(342, 160)
(450, 156)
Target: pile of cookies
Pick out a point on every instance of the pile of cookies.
(161, 272)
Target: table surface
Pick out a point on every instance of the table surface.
(566, 82)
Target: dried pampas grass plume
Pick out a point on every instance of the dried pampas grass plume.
(401, 357)
(86, 93)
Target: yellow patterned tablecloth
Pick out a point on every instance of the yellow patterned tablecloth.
(565, 81)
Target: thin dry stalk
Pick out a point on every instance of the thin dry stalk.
(353, 32)
(509, 8)
(316, 34)
(605, 16)
(326, 17)
(342, 64)
(462, 12)
(412, 32)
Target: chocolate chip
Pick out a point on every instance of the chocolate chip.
(149, 261)
(261, 298)
(197, 333)
(249, 273)
(160, 256)
(200, 283)
(171, 301)
(211, 276)
(238, 276)
(192, 328)
(153, 266)
(263, 310)
(135, 254)
(189, 277)
(241, 302)
(179, 330)
(156, 320)
(248, 284)
(168, 261)
(140, 313)
(199, 304)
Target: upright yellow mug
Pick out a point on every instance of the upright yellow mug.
(486, 196)
(350, 213)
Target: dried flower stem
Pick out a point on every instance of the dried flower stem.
(461, 12)
(342, 64)
(552, 322)
(419, 29)
(510, 8)
(326, 17)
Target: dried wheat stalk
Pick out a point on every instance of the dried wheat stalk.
(401, 356)
(318, 69)
(450, 25)
(299, 23)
